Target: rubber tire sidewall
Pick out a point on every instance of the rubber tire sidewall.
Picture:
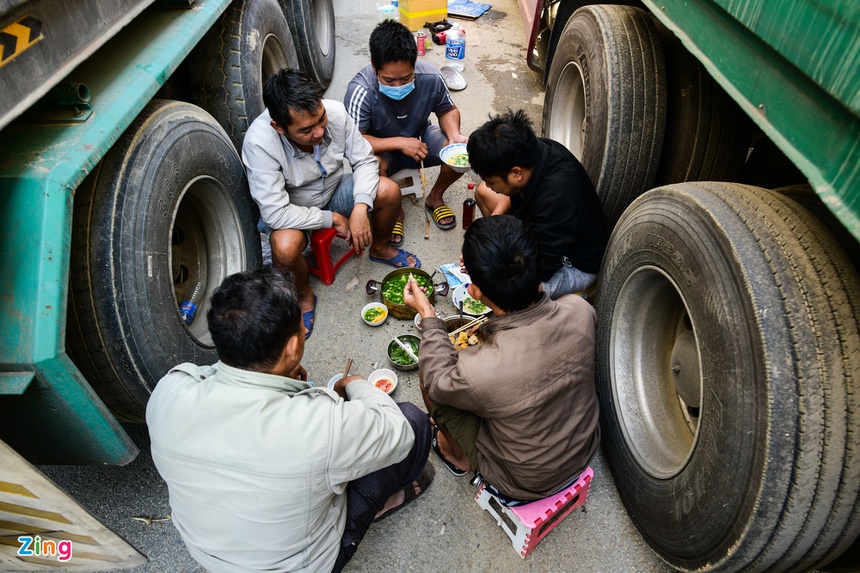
(303, 16)
(774, 462)
(126, 311)
(227, 65)
(619, 53)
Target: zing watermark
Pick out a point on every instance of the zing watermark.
(37, 547)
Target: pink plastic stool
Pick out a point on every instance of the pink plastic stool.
(527, 524)
(321, 240)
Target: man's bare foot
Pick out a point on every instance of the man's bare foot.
(388, 252)
(454, 455)
(400, 499)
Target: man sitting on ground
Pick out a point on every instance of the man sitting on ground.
(294, 153)
(540, 182)
(521, 406)
(266, 472)
(391, 101)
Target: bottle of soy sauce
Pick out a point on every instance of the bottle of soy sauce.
(469, 208)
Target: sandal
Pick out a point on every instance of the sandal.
(397, 231)
(434, 445)
(442, 212)
(398, 261)
(409, 495)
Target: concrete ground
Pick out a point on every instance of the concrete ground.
(445, 530)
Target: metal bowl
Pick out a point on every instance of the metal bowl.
(392, 344)
(401, 310)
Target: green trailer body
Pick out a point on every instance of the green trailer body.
(47, 408)
(794, 66)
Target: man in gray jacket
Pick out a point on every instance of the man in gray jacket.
(521, 406)
(294, 153)
(266, 472)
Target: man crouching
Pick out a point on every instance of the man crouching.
(266, 472)
(520, 407)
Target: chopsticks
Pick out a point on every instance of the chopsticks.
(346, 369)
(424, 194)
(406, 349)
(468, 325)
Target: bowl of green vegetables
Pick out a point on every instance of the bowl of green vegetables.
(391, 290)
(399, 357)
(456, 157)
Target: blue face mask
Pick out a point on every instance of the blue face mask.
(397, 92)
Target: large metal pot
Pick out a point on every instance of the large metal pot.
(401, 310)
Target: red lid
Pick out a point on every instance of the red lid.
(471, 185)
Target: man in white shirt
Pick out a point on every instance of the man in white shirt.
(265, 471)
(294, 153)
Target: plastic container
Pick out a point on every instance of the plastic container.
(455, 44)
(188, 308)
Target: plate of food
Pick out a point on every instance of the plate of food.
(471, 306)
(401, 359)
(456, 157)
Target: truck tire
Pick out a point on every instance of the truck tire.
(809, 200)
(250, 42)
(728, 357)
(606, 101)
(312, 23)
(707, 136)
(167, 207)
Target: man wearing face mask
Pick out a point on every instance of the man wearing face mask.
(391, 101)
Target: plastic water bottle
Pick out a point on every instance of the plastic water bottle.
(188, 308)
(455, 44)
(469, 208)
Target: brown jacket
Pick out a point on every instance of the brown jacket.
(532, 382)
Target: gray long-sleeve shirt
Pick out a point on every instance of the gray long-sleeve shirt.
(289, 185)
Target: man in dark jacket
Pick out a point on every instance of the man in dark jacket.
(521, 406)
(541, 183)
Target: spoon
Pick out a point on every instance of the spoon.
(406, 348)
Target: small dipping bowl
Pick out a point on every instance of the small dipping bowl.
(333, 380)
(383, 374)
(378, 306)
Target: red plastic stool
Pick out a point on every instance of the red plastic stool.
(527, 524)
(321, 240)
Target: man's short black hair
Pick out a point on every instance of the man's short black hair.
(504, 142)
(502, 256)
(390, 42)
(288, 90)
(251, 317)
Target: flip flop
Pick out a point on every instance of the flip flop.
(400, 260)
(397, 231)
(409, 495)
(442, 212)
(434, 445)
(308, 318)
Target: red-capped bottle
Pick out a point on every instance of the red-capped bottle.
(469, 208)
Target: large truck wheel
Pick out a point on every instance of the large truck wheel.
(728, 363)
(606, 100)
(250, 42)
(312, 24)
(707, 135)
(167, 208)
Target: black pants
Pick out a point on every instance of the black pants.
(366, 496)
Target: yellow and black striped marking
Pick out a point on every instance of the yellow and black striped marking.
(17, 37)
